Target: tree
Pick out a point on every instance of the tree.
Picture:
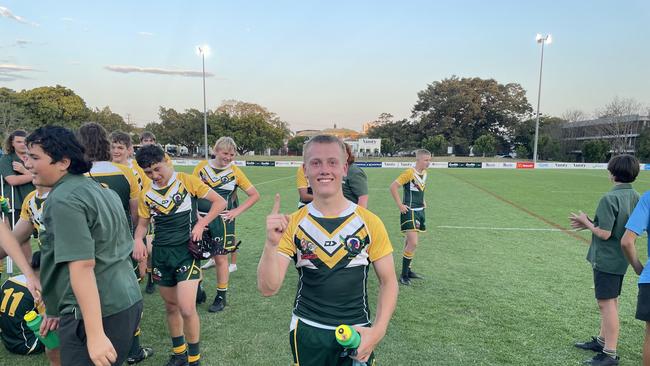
(549, 143)
(462, 109)
(12, 115)
(595, 151)
(295, 144)
(403, 133)
(54, 105)
(485, 145)
(238, 109)
(574, 115)
(383, 119)
(643, 145)
(619, 127)
(388, 146)
(437, 144)
(109, 120)
(522, 152)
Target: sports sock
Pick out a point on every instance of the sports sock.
(610, 353)
(600, 341)
(406, 263)
(135, 345)
(194, 356)
(222, 289)
(149, 278)
(178, 345)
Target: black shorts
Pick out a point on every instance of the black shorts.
(643, 303)
(607, 285)
(119, 328)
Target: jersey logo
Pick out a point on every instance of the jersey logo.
(330, 243)
(354, 245)
(307, 248)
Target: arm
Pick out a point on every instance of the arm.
(23, 230)
(12, 248)
(581, 221)
(84, 287)
(363, 201)
(627, 244)
(253, 197)
(388, 289)
(139, 249)
(133, 209)
(272, 267)
(393, 191)
(18, 180)
(304, 196)
(218, 205)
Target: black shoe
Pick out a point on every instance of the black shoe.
(145, 352)
(415, 275)
(405, 281)
(602, 359)
(218, 305)
(178, 360)
(201, 296)
(592, 345)
(151, 287)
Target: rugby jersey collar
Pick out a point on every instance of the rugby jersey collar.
(171, 181)
(214, 167)
(348, 211)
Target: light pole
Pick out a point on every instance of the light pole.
(543, 40)
(204, 51)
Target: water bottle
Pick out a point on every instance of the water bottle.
(51, 340)
(350, 339)
(4, 205)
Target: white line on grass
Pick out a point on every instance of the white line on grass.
(272, 180)
(498, 228)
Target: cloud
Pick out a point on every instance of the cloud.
(156, 70)
(8, 14)
(146, 34)
(15, 68)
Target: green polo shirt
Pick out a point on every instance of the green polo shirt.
(612, 213)
(83, 220)
(355, 184)
(21, 191)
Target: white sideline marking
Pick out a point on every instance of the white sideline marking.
(272, 180)
(499, 228)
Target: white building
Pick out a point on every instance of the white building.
(365, 147)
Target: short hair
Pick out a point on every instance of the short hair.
(119, 137)
(147, 135)
(422, 152)
(95, 140)
(325, 139)
(348, 150)
(225, 142)
(624, 168)
(149, 155)
(9, 141)
(36, 260)
(59, 143)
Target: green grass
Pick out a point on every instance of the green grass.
(491, 297)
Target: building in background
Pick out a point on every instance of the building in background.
(621, 132)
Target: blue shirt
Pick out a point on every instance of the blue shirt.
(639, 222)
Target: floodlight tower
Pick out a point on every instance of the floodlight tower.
(542, 39)
(204, 51)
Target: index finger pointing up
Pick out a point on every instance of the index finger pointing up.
(276, 205)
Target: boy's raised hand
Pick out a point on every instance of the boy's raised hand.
(276, 223)
(579, 221)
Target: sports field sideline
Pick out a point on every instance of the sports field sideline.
(506, 283)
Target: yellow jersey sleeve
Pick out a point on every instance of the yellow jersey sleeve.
(143, 176)
(134, 187)
(194, 185)
(25, 210)
(198, 168)
(143, 210)
(242, 179)
(301, 180)
(287, 246)
(380, 245)
(405, 177)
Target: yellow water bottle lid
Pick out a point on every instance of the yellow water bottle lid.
(343, 333)
(31, 315)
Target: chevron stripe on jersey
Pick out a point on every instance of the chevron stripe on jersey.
(175, 199)
(32, 209)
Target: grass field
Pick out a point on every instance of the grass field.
(504, 285)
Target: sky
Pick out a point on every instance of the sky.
(320, 63)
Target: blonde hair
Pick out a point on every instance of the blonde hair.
(225, 142)
(422, 152)
(325, 139)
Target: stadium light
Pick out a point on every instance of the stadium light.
(204, 51)
(542, 39)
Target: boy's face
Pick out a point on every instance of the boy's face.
(325, 168)
(19, 144)
(44, 172)
(223, 157)
(119, 152)
(147, 141)
(422, 162)
(159, 173)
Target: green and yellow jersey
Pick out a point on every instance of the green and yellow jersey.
(414, 184)
(32, 210)
(172, 208)
(302, 182)
(118, 178)
(143, 180)
(332, 256)
(224, 181)
(15, 302)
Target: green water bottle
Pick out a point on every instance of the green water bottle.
(4, 205)
(51, 340)
(350, 339)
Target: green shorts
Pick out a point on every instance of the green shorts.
(311, 346)
(173, 264)
(413, 221)
(225, 230)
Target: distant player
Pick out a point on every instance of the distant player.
(171, 201)
(355, 183)
(332, 242)
(305, 193)
(606, 256)
(411, 207)
(224, 177)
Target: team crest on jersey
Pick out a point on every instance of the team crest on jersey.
(225, 179)
(353, 244)
(178, 198)
(307, 249)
